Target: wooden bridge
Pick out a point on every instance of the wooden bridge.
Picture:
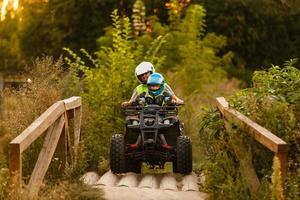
(62, 121)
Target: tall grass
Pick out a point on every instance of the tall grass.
(273, 102)
(21, 106)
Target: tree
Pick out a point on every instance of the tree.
(259, 32)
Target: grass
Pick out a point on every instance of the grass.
(168, 168)
(21, 107)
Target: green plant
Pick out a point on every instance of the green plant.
(23, 105)
(67, 190)
(273, 102)
(107, 81)
(4, 173)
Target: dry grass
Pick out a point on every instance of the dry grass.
(70, 191)
(192, 113)
(21, 106)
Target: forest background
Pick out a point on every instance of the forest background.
(207, 48)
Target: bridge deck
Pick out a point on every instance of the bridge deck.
(146, 186)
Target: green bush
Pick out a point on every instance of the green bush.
(273, 102)
(107, 81)
(4, 173)
(197, 71)
(23, 105)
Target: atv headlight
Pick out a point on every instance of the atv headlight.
(134, 122)
(167, 121)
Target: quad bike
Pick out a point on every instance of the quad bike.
(154, 135)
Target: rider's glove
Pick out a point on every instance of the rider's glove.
(179, 102)
(173, 102)
(125, 104)
(142, 101)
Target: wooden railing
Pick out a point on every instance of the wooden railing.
(260, 134)
(55, 121)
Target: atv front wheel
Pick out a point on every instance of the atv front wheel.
(117, 154)
(184, 155)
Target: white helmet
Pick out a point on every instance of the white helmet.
(144, 67)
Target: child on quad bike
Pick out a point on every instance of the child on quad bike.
(156, 93)
(142, 72)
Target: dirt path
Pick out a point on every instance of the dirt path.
(132, 186)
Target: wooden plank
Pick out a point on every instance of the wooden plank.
(15, 168)
(61, 154)
(261, 134)
(222, 104)
(283, 166)
(1, 82)
(45, 157)
(72, 103)
(15, 79)
(77, 125)
(31, 133)
(68, 144)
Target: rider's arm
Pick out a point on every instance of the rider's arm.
(132, 99)
(170, 91)
(133, 96)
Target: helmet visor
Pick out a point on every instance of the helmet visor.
(154, 87)
(144, 77)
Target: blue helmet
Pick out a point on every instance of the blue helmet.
(156, 79)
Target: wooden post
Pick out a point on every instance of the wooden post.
(1, 82)
(61, 151)
(53, 120)
(45, 157)
(68, 144)
(15, 168)
(77, 125)
(1, 89)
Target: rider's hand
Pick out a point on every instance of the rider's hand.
(173, 102)
(125, 104)
(179, 102)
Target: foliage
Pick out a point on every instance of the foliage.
(70, 191)
(8, 44)
(198, 72)
(44, 27)
(273, 102)
(277, 190)
(221, 166)
(175, 9)
(4, 173)
(108, 81)
(258, 32)
(23, 104)
(138, 17)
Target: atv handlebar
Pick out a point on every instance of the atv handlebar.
(131, 110)
(153, 106)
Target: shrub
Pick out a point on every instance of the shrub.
(22, 105)
(109, 80)
(273, 102)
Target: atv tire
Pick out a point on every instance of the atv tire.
(184, 155)
(117, 154)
